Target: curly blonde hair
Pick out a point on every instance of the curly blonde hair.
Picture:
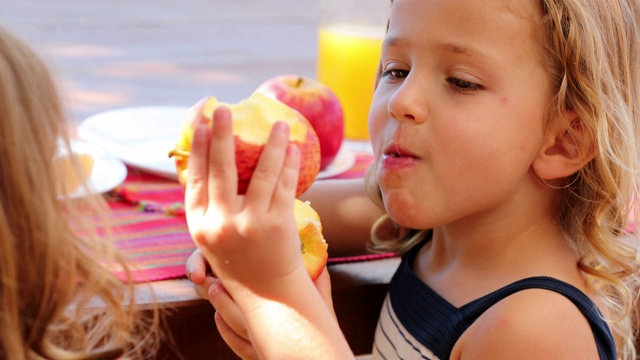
(58, 299)
(591, 50)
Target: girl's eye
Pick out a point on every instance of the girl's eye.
(395, 73)
(463, 85)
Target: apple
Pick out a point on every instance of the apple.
(312, 243)
(316, 102)
(252, 122)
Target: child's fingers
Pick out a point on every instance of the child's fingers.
(266, 175)
(285, 191)
(196, 267)
(222, 175)
(228, 309)
(196, 187)
(202, 289)
(240, 346)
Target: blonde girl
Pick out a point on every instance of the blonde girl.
(590, 47)
(58, 300)
(506, 156)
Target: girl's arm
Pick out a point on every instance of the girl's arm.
(231, 323)
(346, 212)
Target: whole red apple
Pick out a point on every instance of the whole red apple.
(252, 122)
(318, 103)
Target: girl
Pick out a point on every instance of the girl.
(505, 138)
(48, 273)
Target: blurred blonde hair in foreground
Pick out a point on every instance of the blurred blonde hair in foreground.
(55, 267)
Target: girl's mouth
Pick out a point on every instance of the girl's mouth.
(395, 156)
(395, 149)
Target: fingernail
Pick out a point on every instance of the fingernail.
(200, 131)
(214, 289)
(280, 126)
(293, 149)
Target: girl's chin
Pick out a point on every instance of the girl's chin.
(401, 213)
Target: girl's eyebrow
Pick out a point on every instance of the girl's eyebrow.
(456, 49)
(444, 47)
(393, 42)
(470, 52)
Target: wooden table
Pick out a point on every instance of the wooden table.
(358, 291)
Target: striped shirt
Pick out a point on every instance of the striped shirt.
(417, 323)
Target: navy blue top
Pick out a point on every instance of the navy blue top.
(437, 324)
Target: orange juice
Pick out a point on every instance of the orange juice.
(69, 178)
(348, 57)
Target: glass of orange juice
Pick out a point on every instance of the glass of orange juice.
(350, 37)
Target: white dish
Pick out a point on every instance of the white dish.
(140, 136)
(143, 136)
(107, 173)
(342, 163)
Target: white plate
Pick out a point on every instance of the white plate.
(143, 136)
(140, 136)
(342, 163)
(107, 172)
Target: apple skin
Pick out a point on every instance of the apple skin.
(252, 122)
(317, 103)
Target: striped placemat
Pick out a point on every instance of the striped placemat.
(149, 225)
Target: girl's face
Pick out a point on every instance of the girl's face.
(458, 115)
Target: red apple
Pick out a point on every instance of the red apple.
(252, 122)
(318, 103)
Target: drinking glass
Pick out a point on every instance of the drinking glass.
(350, 37)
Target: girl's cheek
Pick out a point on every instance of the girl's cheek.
(377, 144)
(376, 124)
(377, 113)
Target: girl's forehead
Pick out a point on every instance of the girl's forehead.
(508, 14)
(487, 25)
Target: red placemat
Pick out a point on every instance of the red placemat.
(150, 228)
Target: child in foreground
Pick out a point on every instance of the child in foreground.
(506, 156)
(50, 276)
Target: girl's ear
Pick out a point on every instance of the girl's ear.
(568, 148)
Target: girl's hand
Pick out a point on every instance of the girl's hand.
(251, 242)
(228, 317)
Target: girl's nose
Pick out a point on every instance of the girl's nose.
(408, 102)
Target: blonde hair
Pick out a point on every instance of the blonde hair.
(58, 299)
(591, 50)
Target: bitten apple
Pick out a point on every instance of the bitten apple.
(312, 243)
(252, 122)
(318, 103)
